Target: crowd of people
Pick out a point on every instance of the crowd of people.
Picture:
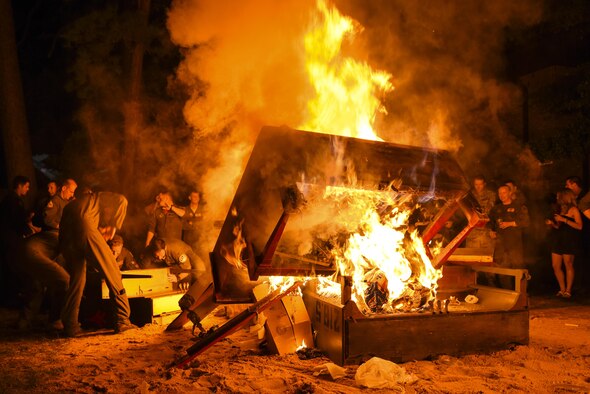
(48, 249)
(509, 218)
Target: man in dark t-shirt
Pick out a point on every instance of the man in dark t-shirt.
(507, 220)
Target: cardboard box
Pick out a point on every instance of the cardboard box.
(288, 324)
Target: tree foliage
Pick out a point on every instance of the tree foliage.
(100, 39)
(570, 138)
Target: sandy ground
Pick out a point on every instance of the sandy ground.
(557, 360)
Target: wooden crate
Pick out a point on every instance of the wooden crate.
(499, 320)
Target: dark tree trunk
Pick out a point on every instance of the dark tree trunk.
(13, 118)
(132, 108)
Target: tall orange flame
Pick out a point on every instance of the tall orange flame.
(384, 256)
(232, 252)
(345, 101)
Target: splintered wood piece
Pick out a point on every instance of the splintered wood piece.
(233, 325)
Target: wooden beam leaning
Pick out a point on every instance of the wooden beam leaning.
(233, 325)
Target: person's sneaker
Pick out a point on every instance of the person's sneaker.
(567, 294)
(122, 327)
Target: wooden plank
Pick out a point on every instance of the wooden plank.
(233, 325)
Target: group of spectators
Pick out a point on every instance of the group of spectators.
(509, 217)
(47, 249)
(173, 231)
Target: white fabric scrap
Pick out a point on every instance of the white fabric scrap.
(334, 370)
(380, 373)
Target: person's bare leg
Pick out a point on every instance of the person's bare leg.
(556, 262)
(568, 261)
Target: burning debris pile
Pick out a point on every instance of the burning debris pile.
(335, 203)
(319, 205)
(371, 236)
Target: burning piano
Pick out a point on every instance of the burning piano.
(359, 222)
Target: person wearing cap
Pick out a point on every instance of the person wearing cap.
(124, 258)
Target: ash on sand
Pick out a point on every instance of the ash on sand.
(557, 360)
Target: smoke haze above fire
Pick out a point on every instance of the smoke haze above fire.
(244, 66)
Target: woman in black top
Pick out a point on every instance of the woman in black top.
(566, 242)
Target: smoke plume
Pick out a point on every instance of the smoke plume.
(244, 67)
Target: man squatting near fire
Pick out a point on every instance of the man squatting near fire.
(40, 265)
(176, 254)
(86, 225)
(507, 220)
